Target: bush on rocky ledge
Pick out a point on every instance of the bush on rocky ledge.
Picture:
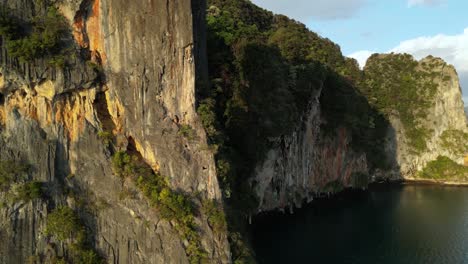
(443, 168)
(171, 205)
(64, 224)
(42, 37)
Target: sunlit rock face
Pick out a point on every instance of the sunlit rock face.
(445, 118)
(137, 80)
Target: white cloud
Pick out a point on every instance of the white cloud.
(412, 3)
(306, 9)
(452, 48)
(361, 56)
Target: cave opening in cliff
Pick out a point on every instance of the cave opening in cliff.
(102, 111)
(2, 99)
(132, 149)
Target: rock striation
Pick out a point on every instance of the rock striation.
(306, 163)
(134, 78)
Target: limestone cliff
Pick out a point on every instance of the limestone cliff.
(426, 123)
(128, 85)
(110, 123)
(307, 163)
(441, 120)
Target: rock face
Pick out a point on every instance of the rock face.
(150, 61)
(445, 117)
(307, 164)
(139, 85)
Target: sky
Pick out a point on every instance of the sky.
(364, 27)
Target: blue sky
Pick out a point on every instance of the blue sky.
(362, 27)
(381, 25)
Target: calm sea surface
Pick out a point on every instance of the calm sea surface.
(391, 224)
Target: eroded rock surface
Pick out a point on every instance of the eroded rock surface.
(137, 81)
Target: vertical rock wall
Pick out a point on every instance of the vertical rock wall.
(446, 113)
(305, 164)
(150, 54)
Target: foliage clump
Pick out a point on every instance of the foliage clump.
(264, 70)
(396, 86)
(15, 183)
(106, 137)
(188, 132)
(455, 141)
(11, 171)
(42, 37)
(10, 26)
(215, 214)
(64, 224)
(28, 191)
(443, 168)
(171, 205)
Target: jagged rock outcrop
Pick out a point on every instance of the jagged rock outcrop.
(139, 84)
(444, 121)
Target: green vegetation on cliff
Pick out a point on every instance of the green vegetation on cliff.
(443, 168)
(64, 224)
(10, 26)
(396, 86)
(264, 69)
(16, 184)
(455, 141)
(172, 206)
(216, 218)
(10, 172)
(28, 191)
(43, 37)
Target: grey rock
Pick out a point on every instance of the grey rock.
(51, 117)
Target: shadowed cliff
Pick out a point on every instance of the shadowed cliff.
(291, 118)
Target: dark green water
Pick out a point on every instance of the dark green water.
(398, 224)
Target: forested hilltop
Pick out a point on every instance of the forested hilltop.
(265, 69)
(290, 117)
